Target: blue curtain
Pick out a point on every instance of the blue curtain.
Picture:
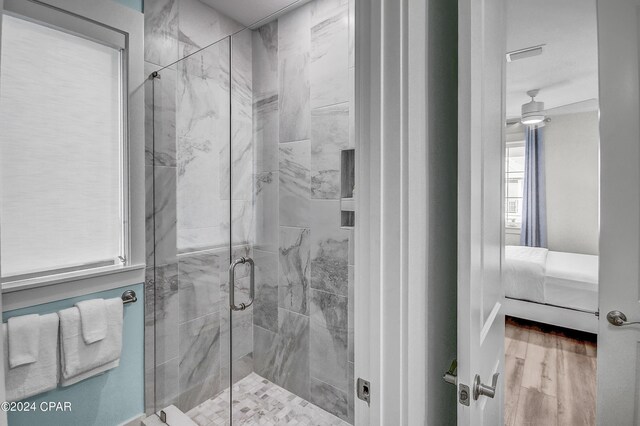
(534, 212)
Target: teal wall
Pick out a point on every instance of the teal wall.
(134, 4)
(106, 400)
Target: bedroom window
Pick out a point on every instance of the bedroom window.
(514, 184)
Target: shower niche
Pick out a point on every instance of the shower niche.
(347, 188)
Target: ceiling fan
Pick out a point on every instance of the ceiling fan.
(533, 111)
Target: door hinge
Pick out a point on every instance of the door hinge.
(463, 394)
(364, 390)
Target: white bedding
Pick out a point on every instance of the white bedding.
(572, 280)
(556, 278)
(524, 272)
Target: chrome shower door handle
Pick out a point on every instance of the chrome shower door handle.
(232, 283)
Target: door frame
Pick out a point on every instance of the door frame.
(619, 92)
(405, 238)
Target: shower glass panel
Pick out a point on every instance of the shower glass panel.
(188, 155)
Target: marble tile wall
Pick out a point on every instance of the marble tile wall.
(291, 114)
(302, 98)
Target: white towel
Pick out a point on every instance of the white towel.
(79, 360)
(93, 319)
(95, 372)
(24, 336)
(40, 376)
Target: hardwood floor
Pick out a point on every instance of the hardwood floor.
(550, 375)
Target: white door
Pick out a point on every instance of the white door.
(481, 68)
(619, 346)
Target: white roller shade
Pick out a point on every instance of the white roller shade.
(61, 150)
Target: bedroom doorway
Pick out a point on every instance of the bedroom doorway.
(548, 306)
(551, 212)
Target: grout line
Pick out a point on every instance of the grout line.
(325, 383)
(300, 140)
(328, 292)
(329, 105)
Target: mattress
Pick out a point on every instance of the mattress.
(567, 280)
(572, 281)
(523, 273)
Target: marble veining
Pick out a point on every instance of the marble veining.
(265, 309)
(242, 331)
(294, 103)
(242, 367)
(351, 311)
(330, 56)
(149, 208)
(283, 357)
(200, 392)
(203, 128)
(328, 344)
(294, 39)
(199, 284)
(162, 287)
(167, 390)
(329, 398)
(199, 350)
(265, 97)
(160, 117)
(265, 61)
(211, 62)
(329, 248)
(329, 135)
(201, 25)
(295, 184)
(202, 106)
(265, 133)
(164, 216)
(294, 271)
(161, 31)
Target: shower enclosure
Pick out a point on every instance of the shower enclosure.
(249, 210)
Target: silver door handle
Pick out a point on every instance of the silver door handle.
(481, 389)
(619, 319)
(232, 283)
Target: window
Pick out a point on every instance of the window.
(514, 184)
(62, 156)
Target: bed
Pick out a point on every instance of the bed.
(551, 287)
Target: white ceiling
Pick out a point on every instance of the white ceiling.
(249, 12)
(567, 70)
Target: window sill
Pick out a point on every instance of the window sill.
(34, 291)
(509, 230)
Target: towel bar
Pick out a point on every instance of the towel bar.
(129, 296)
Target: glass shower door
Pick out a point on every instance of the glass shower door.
(245, 261)
(189, 232)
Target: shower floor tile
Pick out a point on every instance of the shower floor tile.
(257, 401)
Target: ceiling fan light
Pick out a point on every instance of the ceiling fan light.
(533, 119)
